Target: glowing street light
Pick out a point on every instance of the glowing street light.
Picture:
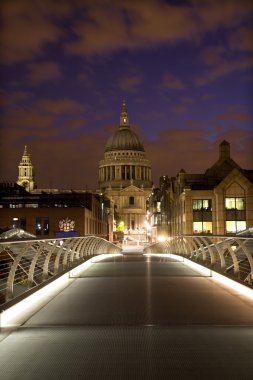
(161, 238)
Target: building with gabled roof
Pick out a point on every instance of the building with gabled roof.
(218, 201)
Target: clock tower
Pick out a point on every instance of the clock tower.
(26, 172)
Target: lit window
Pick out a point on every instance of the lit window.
(240, 203)
(233, 226)
(235, 214)
(202, 204)
(235, 203)
(202, 216)
(19, 223)
(42, 225)
(15, 223)
(202, 227)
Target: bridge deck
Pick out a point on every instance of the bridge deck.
(135, 317)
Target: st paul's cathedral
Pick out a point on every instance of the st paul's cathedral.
(125, 178)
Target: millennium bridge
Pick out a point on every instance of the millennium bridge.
(84, 308)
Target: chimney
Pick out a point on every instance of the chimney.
(224, 150)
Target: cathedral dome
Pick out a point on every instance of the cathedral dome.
(125, 161)
(124, 138)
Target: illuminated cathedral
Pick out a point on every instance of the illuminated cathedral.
(125, 178)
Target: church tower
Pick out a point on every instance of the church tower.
(26, 172)
(125, 178)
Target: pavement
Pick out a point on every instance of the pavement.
(135, 317)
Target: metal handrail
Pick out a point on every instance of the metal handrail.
(27, 264)
(230, 255)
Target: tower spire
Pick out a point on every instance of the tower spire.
(124, 122)
(26, 172)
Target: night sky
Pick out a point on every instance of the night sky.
(183, 67)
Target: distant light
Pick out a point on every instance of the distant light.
(161, 238)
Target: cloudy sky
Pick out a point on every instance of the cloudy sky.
(183, 67)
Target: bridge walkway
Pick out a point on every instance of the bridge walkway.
(135, 317)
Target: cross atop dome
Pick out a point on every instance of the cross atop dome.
(124, 122)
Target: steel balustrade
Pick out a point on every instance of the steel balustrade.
(30, 263)
(231, 256)
(27, 264)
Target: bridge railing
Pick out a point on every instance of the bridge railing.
(27, 264)
(231, 256)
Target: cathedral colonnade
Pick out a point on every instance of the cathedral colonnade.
(124, 172)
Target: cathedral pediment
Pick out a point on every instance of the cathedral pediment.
(132, 189)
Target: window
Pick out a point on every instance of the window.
(38, 226)
(202, 227)
(46, 226)
(202, 204)
(19, 223)
(131, 200)
(233, 226)
(202, 216)
(235, 214)
(23, 223)
(42, 226)
(235, 203)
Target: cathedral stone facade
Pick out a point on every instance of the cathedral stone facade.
(125, 178)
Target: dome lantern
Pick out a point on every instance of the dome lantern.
(124, 122)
